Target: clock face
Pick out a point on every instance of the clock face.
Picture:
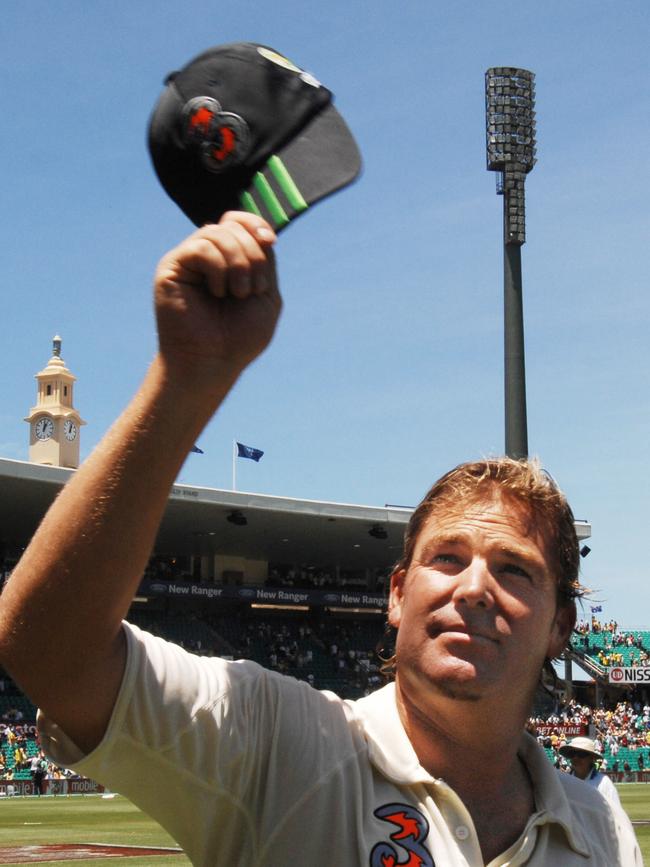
(44, 428)
(70, 430)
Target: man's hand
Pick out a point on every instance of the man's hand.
(217, 299)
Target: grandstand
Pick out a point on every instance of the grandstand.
(227, 563)
(297, 586)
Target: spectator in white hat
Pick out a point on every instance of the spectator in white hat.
(584, 757)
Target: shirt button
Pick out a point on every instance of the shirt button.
(462, 832)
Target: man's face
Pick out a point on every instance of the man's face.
(476, 611)
(581, 764)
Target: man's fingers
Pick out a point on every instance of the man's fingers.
(230, 257)
(256, 237)
(255, 225)
(257, 263)
(196, 262)
(238, 276)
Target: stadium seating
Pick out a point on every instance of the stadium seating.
(291, 643)
(594, 644)
(31, 749)
(335, 652)
(19, 702)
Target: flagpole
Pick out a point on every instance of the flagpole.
(234, 464)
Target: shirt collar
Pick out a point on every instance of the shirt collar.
(389, 748)
(392, 753)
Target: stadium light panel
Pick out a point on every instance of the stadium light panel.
(510, 140)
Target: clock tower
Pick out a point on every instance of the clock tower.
(54, 423)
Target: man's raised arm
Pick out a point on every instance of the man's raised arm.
(217, 305)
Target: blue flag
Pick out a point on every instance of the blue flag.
(596, 609)
(249, 452)
(197, 450)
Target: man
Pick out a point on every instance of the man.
(38, 771)
(584, 757)
(245, 766)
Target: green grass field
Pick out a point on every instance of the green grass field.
(635, 798)
(84, 819)
(91, 819)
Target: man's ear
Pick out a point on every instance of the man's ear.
(395, 597)
(565, 620)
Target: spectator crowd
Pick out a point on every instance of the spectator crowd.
(621, 735)
(20, 755)
(609, 646)
(341, 653)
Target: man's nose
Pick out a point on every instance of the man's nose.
(474, 585)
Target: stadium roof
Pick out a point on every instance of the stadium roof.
(277, 529)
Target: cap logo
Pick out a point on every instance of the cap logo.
(274, 57)
(221, 138)
(280, 60)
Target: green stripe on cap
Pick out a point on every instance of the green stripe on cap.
(287, 184)
(271, 201)
(248, 204)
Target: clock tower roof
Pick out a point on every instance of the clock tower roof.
(56, 365)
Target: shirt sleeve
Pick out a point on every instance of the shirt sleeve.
(630, 852)
(169, 700)
(198, 743)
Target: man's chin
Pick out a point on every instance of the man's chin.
(457, 690)
(460, 680)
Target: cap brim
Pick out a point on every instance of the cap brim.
(321, 160)
(567, 752)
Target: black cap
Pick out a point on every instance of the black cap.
(242, 128)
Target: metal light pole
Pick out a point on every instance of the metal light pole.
(510, 137)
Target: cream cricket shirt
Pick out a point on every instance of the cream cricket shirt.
(246, 767)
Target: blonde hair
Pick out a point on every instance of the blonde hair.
(523, 481)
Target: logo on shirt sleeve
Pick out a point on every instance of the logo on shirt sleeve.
(412, 831)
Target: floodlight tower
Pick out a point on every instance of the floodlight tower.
(510, 134)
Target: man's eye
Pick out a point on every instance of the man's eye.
(513, 569)
(445, 558)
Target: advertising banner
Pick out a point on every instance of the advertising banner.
(75, 786)
(564, 729)
(28, 729)
(629, 676)
(265, 595)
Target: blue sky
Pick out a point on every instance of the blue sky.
(387, 366)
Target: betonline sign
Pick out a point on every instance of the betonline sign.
(629, 675)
